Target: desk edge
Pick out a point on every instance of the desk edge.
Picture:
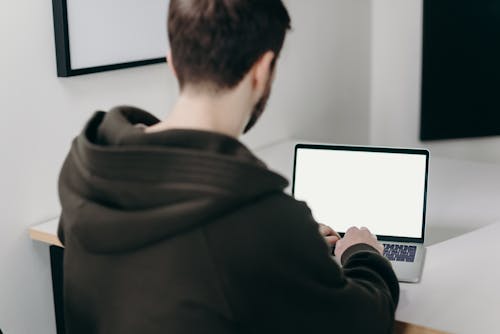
(44, 237)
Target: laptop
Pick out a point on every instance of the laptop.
(383, 189)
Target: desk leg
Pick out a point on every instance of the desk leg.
(56, 266)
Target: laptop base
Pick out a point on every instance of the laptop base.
(409, 272)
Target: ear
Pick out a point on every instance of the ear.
(262, 73)
(170, 63)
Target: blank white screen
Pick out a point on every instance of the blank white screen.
(106, 32)
(382, 191)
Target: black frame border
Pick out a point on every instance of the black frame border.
(379, 150)
(63, 55)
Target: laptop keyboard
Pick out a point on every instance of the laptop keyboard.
(402, 253)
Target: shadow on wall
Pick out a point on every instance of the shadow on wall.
(437, 234)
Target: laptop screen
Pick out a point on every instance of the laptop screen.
(382, 189)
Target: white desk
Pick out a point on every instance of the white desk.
(458, 292)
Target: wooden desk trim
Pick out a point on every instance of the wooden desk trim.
(46, 233)
(407, 328)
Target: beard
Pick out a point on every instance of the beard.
(259, 108)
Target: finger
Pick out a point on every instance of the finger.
(338, 248)
(364, 228)
(351, 229)
(331, 240)
(326, 230)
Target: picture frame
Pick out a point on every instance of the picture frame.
(102, 35)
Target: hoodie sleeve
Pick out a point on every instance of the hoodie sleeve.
(364, 292)
(281, 273)
(360, 258)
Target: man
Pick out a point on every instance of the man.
(174, 226)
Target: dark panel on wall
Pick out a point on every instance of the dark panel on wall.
(461, 69)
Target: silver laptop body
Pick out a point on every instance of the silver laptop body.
(384, 189)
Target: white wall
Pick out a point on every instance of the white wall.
(330, 75)
(313, 97)
(395, 84)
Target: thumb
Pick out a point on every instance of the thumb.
(331, 240)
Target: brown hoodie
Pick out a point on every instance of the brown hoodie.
(185, 231)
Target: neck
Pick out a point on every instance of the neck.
(225, 113)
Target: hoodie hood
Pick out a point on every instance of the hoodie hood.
(121, 188)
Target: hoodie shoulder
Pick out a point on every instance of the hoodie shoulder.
(292, 208)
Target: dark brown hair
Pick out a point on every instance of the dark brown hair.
(216, 42)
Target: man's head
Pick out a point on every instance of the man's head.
(215, 44)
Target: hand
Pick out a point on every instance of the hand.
(355, 236)
(331, 237)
